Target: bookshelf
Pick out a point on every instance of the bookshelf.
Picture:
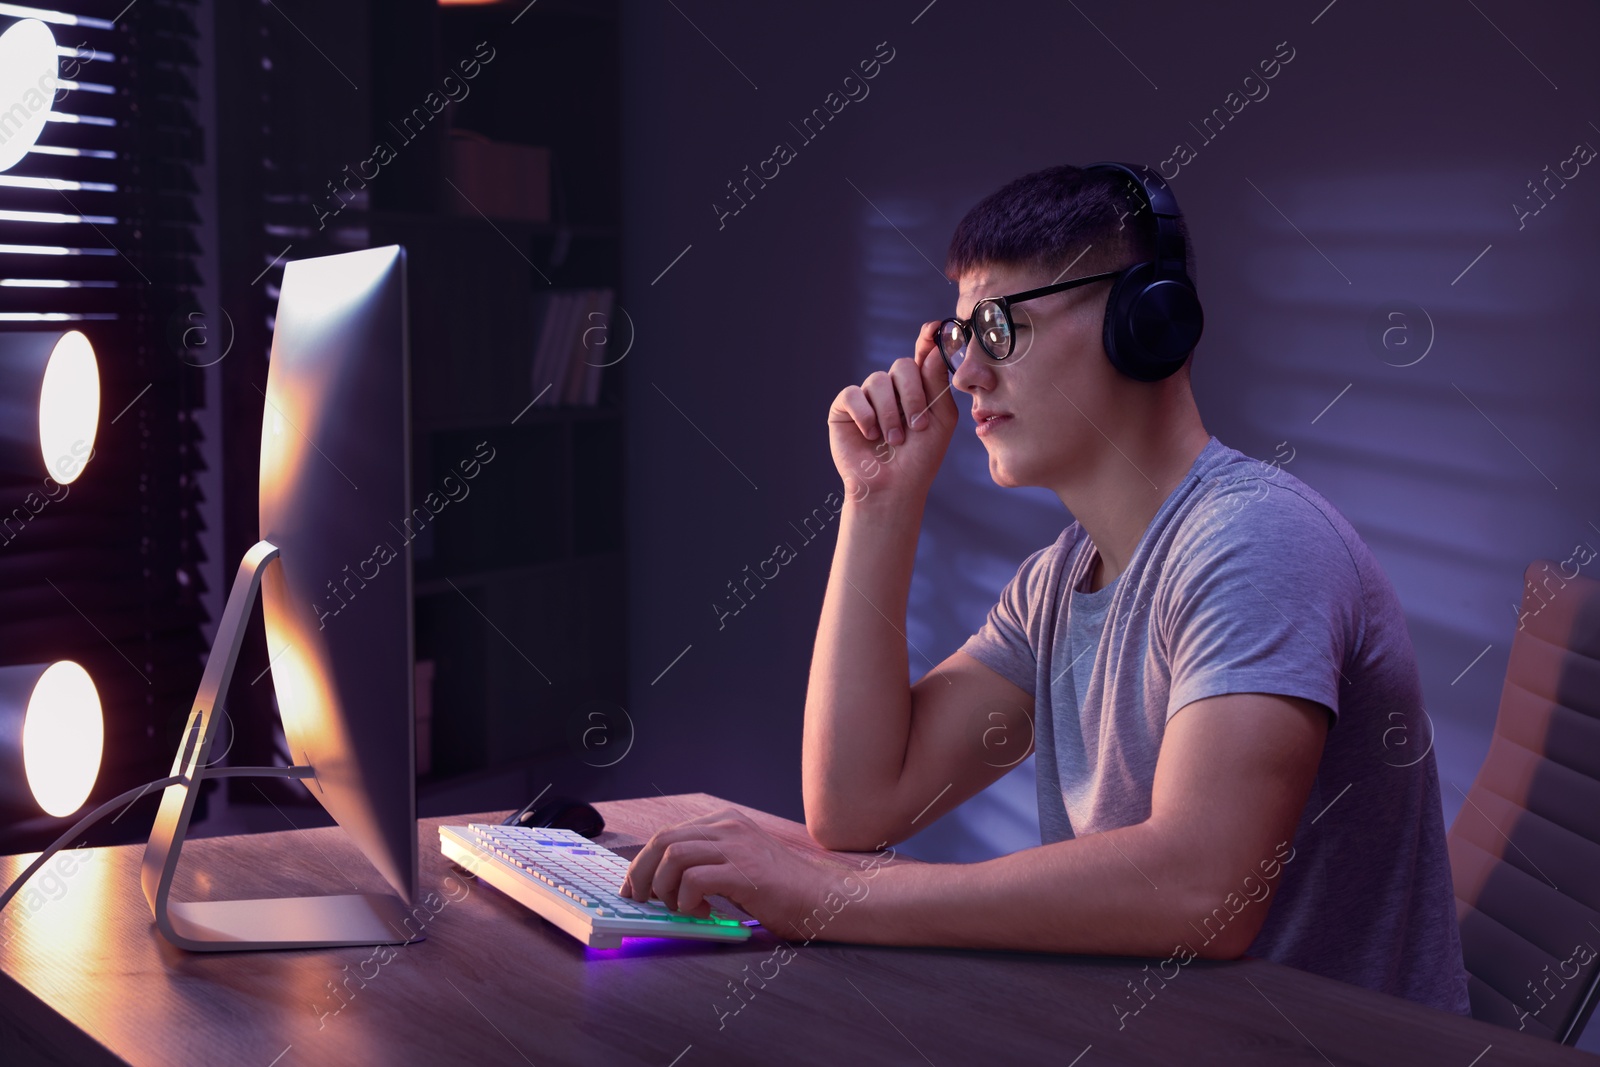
(520, 588)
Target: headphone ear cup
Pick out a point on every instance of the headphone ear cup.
(1151, 326)
(1119, 344)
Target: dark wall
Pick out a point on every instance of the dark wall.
(1381, 164)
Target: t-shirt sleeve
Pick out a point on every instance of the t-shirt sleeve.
(1007, 643)
(1262, 596)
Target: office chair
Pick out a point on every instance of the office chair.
(1525, 847)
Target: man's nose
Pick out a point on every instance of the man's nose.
(972, 372)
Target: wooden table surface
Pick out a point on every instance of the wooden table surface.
(86, 979)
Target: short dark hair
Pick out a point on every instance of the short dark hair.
(1046, 220)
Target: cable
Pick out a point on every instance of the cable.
(134, 794)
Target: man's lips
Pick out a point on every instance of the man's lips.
(989, 421)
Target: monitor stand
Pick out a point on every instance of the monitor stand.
(234, 925)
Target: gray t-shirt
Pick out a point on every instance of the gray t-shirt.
(1248, 581)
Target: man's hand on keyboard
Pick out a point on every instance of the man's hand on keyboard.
(729, 855)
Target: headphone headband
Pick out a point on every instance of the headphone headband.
(1156, 191)
(1170, 258)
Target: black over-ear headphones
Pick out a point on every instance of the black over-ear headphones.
(1153, 318)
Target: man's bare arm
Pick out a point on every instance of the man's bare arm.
(882, 759)
(1230, 785)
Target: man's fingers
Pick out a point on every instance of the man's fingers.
(642, 872)
(706, 880)
(927, 343)
(887, 401)
(934, 376)
(681, 859)
(908, 384)
(936, 381)
(640, 878)
(880, 389)
(854, 405)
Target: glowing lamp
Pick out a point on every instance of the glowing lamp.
(27, 87)
(51, 737)
(49, 404)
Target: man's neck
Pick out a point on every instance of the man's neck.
(1117, 497)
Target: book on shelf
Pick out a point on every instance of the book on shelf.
(572, 347)
(556, 311)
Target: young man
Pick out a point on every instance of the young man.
(1211, 667)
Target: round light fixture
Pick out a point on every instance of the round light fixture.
(27, 87)
(49, 404)
(69, 405)
(50, 724)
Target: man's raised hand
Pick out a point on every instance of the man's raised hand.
(889, 434)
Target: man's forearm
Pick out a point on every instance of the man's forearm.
(858, 700)
(1124, 892)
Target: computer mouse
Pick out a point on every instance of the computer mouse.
(562, 813)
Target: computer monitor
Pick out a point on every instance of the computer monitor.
(334, 578)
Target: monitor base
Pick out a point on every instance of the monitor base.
(288, 922)
(238, 925)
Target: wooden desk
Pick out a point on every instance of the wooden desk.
(86, 979)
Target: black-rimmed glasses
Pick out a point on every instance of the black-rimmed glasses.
(991, 319)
